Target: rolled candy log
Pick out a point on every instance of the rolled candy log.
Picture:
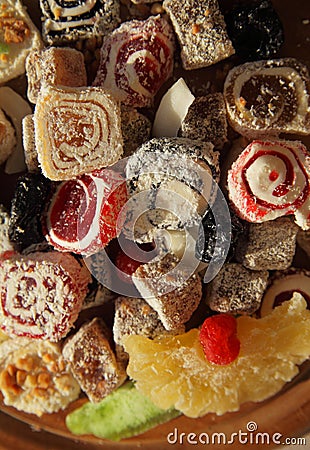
(41, 294)
(65, 21)
(282, 286)
(268, 98)
(136, 59)
(83, 213)
(170, 181)
(77, 130)
(270, 179)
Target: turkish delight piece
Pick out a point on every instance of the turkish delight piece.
(67, 21)
(206, 120)
(170, 289)
(57, 66)
(77, 130)
(135, 316)
(282, 286)
(92, 360)
(31, 156)
(136, 59)
(34, 377)
(18, 36)
(171, 180)
(201, 31)
(7, 138)
(255, 29)
(268, 98)
(136, 129)
(270, 179)
(237, 290)
(82, 215)
(42, 294)
(269, 246)
(28, 203)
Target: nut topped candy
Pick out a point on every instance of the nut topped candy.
(18, 36)
(34, 376)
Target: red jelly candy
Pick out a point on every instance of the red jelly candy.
(127, 264)
(82, 216)
(271, 179)
(218, 337)
(136, 59)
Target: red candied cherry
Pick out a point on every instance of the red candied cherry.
(218, 337)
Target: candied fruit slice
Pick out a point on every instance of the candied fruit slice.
(172, 371)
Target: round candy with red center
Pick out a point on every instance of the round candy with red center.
(136, 59)
(82, 216)
(218, 337)
(271, 179)
(41, 295)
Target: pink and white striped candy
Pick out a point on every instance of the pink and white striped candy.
(271, 179)
(41, 295)
(136, 59)
(83, 213)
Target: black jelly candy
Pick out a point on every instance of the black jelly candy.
(255, 30)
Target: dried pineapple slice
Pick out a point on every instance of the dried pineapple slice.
(173, 371)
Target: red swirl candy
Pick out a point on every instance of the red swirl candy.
(41, 295)
(136, 59)
(271, 179)
(218, 337)
(83, 213)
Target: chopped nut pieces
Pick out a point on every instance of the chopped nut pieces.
(34, 377)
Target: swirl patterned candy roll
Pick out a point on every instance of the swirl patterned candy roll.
(268, 98)
(41, 294)
(136, 59)
(271, 179)
(69, 20)
(77, 130)
(82, 215)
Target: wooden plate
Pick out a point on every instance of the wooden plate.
(287, 413)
